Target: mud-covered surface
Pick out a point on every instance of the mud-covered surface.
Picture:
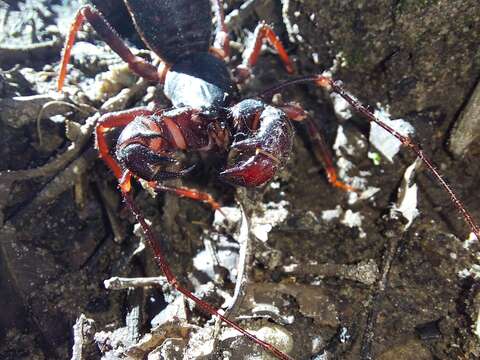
(315, 282)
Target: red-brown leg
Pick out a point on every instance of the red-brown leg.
(162, 263)
(320, 148)
(221, 44)
(323, 154)
(188, 193)
(336, 87)
(114, 120)
(138, 65)
(263, 32)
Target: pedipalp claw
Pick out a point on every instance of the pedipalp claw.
(255, 171)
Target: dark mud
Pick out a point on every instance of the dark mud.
(64, 230)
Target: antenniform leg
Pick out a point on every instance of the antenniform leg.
(263, 32)
(172, 280)
(320, 148)
(266, 147)
(336, 86)
(106, 32)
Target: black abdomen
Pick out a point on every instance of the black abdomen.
(173, 28)
(199, 81)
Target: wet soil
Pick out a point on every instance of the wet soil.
(64, 229)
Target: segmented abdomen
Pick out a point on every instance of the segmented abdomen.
(173, 28)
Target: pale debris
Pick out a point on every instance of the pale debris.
(407, 196)
(476, 329)
(476, 326)
(234, 224)
(339, 61)
(232, 214)
(201, 343)
(225, 219)
(226, 256)
(275, 185)
(354, 219)
(341, 147)
(317, 343)
(290, 268)
(344, 335)
(472, 238)
(383, 141)
(343, 164)
(341, 107)
(329, 215)
(176, 310)
(368, 192)
(341, 142)
(272, 214)
(267, 311)
(365, 272)
(84, 48)
(291, 30)
(117, 78)
(276, 335)
(473, 272)
(323, 356)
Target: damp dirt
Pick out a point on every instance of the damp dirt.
(315, 283)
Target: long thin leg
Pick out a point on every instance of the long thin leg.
(320, 148)
(138, 65)
(323, 154)
(172, 280)
(336, 86)
(188, 193)
(263, 32)
(114, 120)
(221, 44)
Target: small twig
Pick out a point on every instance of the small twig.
(114, 104)
(24, 53)
(406, 207)
(121, 283)
(236, 18)
(19, 111)
(207, 243)
(83, 332)
(467, 127)
(365, 272)
(59, 162)
(120, 101)
(58, 103)
(62, 181)
(133, 318)
(244, 260)
(369, 332)
(108, 200)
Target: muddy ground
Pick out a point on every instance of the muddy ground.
(327, 276)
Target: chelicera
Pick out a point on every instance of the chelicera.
(207, 114)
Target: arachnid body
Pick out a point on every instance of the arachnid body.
(207, 114)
